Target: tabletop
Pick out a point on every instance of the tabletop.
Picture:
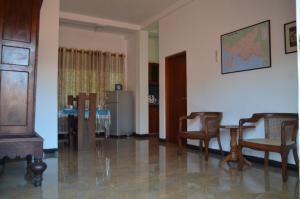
(100, 113)
(228, 126)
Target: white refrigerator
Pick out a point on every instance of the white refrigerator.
(120, 104)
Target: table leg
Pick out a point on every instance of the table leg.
(247, 162)
(234, 150)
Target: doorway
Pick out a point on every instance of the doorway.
(176, 94)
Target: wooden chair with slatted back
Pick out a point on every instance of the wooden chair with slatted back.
(280, 136)
(209, 128)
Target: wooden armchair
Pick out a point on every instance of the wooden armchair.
(280, 136)
(209, 121)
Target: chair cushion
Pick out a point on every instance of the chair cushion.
(272, 142)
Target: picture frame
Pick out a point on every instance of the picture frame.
(290, 37)
(246, 49)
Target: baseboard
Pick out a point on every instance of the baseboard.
(162, 140)
(100, 135)
(259, 160)
(154, 135)
(48, 151)
(140, 135)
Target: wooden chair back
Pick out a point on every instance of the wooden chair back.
(273, 124)
(72, 101)
(83, 128)
(86, 126)
(210, 125)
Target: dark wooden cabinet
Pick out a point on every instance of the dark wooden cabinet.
(19, 23)
(153, 73)
(153, 119)
(19, 26)
(154, 93)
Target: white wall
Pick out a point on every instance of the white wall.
(298, 40)
(137, 73)
(143, 83)
(196, 28)
(153, 54)
(132, 72)
(73, 37)
(46, 91)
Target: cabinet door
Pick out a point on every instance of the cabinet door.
(19, 21)
(153, 119)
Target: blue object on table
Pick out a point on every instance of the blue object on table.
(102, 118)
(74, 112)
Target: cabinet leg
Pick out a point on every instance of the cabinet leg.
(2, 165)
(28, 174)
(37, 168)
(29, 160)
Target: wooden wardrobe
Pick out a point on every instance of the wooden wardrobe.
(19, 27)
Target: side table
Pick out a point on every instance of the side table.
(234, 154)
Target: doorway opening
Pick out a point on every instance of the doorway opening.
(176, 94)
(153, 77)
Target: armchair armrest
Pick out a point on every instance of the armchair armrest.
(248, 120)
(193, 115)
(284, 125)
(241, 125)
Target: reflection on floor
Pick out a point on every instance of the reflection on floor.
(144, 169)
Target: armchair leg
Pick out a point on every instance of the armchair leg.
(206, 142)
(220, 146)
(179, 141)
(296, 157)
(201, 145)
(241, 158)
(266, 158)
(284, 156)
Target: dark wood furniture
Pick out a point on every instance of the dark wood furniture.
(82, 128)
(234, 150)
(280, 136)
(19, 27)
(153, 120)
(154, 106)
(209, 128)
(153, 73)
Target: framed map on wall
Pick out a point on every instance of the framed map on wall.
(246, 49)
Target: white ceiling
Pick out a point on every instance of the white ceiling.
(130, 11)
(96, 28)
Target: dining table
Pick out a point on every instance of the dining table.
(103, 117)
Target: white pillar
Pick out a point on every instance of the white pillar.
(137, 78)
(143, 119)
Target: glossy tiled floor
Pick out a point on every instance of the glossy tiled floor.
(143, 169)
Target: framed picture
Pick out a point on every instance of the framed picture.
(290, 37)
(246, 49)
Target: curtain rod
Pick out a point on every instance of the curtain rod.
(86, 51)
